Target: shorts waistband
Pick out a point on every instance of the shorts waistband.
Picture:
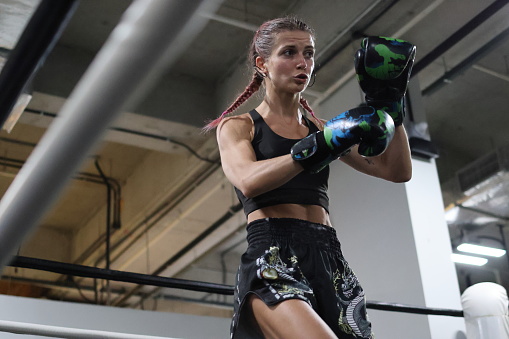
(295, 230)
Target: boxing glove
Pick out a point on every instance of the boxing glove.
(370, 128)
(383, 67)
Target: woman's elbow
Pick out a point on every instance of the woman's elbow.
(401, 176)
(248, 189)
(248, 193)
(402, 179)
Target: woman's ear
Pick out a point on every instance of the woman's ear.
(260, 65)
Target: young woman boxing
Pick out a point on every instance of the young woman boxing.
(293, 281)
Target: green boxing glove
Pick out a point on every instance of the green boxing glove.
(371, 129)
(383, 67)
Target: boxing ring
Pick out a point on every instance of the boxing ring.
(149, 37)
(485, 305)
(65, 332)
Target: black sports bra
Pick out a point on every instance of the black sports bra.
(305, 188)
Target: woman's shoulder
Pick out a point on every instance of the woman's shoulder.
(241, 124)
(237, 120)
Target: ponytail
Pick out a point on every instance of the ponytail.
(251, 89)
(306, 106)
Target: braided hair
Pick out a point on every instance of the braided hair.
(261, 45)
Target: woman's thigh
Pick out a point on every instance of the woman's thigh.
(290, 319)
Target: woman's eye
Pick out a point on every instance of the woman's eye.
(288, 52)
(309, 54)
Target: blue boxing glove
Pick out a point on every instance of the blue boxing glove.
(383, 67)
(372, 129)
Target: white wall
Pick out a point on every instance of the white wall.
(373, 223)
(396, 240)
(432, 242)
(112, 319)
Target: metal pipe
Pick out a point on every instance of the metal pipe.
(93, 179)
(145, 37)
(433, 55)
(345, 31)
(417, 18)
(350, 74)
(458, 35)
(135, 233)
(36, 42)
(66, 332)
(491, 72)
(462, 66)
(234, 209)
(137, 133)
(18, 142)
(231, 22)
(82, 176)
(108, 225)
(117, 197)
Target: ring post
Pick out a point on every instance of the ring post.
(485, 308)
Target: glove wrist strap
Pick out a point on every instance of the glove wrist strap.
(313, 154)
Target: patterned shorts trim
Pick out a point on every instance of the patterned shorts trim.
(296, 259)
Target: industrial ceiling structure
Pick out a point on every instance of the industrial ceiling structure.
(157, 181)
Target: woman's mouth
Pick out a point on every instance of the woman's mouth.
(302, 78)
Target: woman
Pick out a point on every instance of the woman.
(293, 281)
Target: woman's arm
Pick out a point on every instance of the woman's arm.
(239, 162)
(394, 164)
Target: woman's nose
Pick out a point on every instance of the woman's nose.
(302, 63)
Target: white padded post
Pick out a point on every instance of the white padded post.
(485, 308)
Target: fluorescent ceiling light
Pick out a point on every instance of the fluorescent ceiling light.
(485, 220)
(483, 250)
(467, 259)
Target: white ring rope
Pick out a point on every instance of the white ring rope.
(66, 332)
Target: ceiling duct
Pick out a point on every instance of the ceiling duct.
(480, 191)
(478, 174)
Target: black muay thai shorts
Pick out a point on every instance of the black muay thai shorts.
(296, 259)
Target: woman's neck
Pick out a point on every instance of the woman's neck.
(286, 106)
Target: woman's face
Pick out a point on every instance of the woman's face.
(291, 62)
